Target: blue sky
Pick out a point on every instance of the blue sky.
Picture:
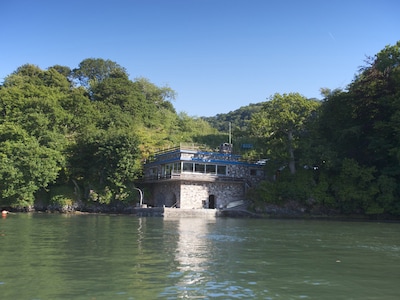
(218, 55)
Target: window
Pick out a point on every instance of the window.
(256, 172)
(210, 169)
(221, 170)
(199, 168)
(166, 169)
(187, 167)
(177, 167)
(153, 173)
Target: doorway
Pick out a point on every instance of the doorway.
(211, 201)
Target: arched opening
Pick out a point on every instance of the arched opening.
(170, 200)
(211, 201)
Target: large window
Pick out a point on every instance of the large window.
(166, 169)
(187, 167)
(177, 167)
(199, 168)
(211, 169)
(202, 168)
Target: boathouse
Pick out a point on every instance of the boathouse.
(190, 177)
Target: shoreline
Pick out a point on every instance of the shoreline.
(212, 213)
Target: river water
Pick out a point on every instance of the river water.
(55, 256)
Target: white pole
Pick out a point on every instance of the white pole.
(230, 133)
(141, 196)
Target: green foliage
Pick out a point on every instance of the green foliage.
(359, 127)
(25, 165)
(283, 122)
(238, 118)
(265, 193)
(89, 133)
(61, 196)
(238, 124)
(354, 187)
(107, 160)
(301, 188)
(102, 195)
(321, 195)
(92, 71)
(193, 129)
(351, 140)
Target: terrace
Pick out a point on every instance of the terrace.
(197, 163)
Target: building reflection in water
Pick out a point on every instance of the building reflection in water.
(194, 252)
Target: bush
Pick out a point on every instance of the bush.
(62, 196)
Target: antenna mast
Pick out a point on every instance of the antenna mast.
(230, 133)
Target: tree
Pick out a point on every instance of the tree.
(154, 94)
(33, 102)
(354, 187)
(92, 71)
(239, 118)
(63, 70)
(156, 101)
(25, 166)
(283, 121)
(106, 162)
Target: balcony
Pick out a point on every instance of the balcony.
(195, 177)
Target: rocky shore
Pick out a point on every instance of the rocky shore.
(288, 210)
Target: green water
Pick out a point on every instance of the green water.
(51, 256)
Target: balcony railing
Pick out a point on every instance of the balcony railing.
(184, 146)
(193, 177)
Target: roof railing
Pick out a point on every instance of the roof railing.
(183, 146)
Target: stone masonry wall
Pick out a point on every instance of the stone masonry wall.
(195, 195)
(226, 192)
(166, 193)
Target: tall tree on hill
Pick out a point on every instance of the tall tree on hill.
(282, 121)
(92, 71)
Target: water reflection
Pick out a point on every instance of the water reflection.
(140, 234)
(193, 255)
(193, 247)
(205, 264)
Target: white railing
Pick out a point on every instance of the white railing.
(193, 176)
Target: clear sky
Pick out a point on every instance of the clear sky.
(218, 55)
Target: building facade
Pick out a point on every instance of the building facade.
(189, 177)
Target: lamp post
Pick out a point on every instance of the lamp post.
(141, 196)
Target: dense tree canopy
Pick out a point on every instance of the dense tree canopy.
(338, 155)
(85, 130)
(282, 121)
(25, 166)
(92, 71)
(351, 145)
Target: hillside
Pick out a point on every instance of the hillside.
(238, 118)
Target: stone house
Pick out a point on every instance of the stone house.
(189, 177)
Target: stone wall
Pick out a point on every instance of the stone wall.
(166, 194)
(197, 195)
(194, 194)
(189, 194)
(226, 192)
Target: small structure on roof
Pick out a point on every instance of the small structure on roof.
(191, 177)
